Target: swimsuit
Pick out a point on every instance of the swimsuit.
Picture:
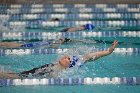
(49, 68)
(39, 71)
(36, 44)
(46, 69)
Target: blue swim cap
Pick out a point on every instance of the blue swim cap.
(74, 60)
(89, 26)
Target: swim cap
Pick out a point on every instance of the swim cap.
(74, 61)
(89, 26)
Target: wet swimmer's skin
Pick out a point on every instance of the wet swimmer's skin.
(88, 27)
(21, 45)
(53, 70)
(49, 44)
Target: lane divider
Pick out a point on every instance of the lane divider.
(70, 5)
(72, 81)
(42, 24)
(73, 5)
(4, 52)
(58, 35)
(67, 10)
(42, 16)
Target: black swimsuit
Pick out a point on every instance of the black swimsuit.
(40, 71)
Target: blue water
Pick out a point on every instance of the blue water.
(72, 89)
(116, 64)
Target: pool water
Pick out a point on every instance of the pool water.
(120, 64)
(72, 89)
(117, 64)
(114, 65)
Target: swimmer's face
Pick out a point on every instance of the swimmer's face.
(65, 61)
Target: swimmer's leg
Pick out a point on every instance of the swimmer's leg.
(7, 75)
(74, 29)
(10, 44)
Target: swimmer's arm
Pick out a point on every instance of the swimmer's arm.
(57, 43)
(6, 75)
(67, 40)
(100, 54)
(74, 29)
(85, 41)
(54, 46)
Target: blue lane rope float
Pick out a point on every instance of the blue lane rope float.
(46, 17)
(70, 10)
(72, 81)
(4, 52)
(33, 8)
(58, 35)
(97, 8)
(41, 24)
(17, 6)
(13, 6)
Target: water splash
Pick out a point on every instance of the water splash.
(5, 68)
(2, 68)
(76, 71)
(78, 50)
(6, 28)
(19, 28)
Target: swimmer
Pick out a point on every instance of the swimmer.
(66, 62)
(55, 19)
(49, 43)
(88, 27)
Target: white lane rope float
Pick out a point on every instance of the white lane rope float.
(72, 81)
(4, 52)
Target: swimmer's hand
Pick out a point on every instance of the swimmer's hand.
(114, 44)
(65, 40)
